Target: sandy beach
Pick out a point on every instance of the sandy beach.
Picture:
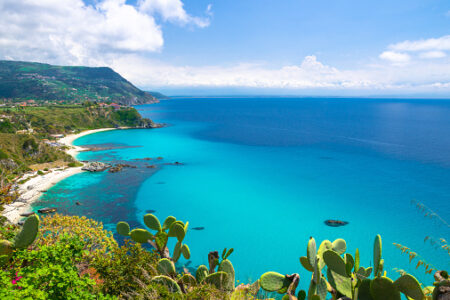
(31, 190)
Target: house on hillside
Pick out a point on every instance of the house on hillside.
(115, 106)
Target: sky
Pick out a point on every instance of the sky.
(292, 47)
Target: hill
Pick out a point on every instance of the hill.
(26, 133)
(43, 82)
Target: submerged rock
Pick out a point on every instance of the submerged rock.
(77, 203)
(335, 223)
(198, 228)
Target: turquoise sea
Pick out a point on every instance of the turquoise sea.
(262, 175)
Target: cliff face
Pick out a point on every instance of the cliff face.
(26, 80)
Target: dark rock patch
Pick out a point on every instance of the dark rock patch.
(335, 223)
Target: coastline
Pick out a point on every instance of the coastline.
(32, 190)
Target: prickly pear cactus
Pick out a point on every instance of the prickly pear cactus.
(123, 228)
(305, 263)
(140, 235)
(364, 290)
(382, 288)
(6, 247)
(167, 222)
(176, 252)
(227, 266)
(339, 245)
(218, 279)
(177, 230)
(185, 251)
(171, 284)
(335, 262)
(376, 255)
(201, 273)
(340, 283)
(152, 222)
(188, 280)
(28, 233)
(311, 252)
(166, 267)
(408, 285)
(273, 281)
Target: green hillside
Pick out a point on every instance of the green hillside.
(23, 132)
(27, 80)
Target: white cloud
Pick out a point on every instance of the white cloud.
(433, 54)
(395, 57)
(71, 32)
(310, 74)
(433, 44)
(113, 33)
(172, 10)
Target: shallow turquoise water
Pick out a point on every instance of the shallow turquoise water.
(265, 199)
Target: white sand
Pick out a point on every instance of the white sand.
(31, 190)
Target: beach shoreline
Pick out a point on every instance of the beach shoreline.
(36, 185)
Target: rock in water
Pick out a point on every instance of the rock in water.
(335, 223)
(198, 228)
(95, 166)
(47, 210)
(27, 214)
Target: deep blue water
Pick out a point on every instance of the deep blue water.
(262, 174)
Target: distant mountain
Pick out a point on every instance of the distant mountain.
(158, 96)
(28, 80)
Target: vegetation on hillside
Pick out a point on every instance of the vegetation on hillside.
(69, 257)
(27, 134)
(27, 80)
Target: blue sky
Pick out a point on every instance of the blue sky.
(340, 47)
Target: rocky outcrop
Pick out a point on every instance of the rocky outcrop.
(119, 167)
(95, 166)
(8, 164)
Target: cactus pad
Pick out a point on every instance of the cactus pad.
(168, 282)
(185, 251)
(6, 247)
(340, 283)
(305, 263)
(201, 273)
(140, 235)
(188, 280)
(376, 254)
(339, 245)
(176, 252)
(152, 222)
(28, 233)
(335, 262)
(218, 279)
(227, 266)
(364, 290)
(382, 288)
(409, 286)
(177, 230)
(349, 263)
(301, 295)
(311, 252)
(166, 267)
(321, 289)
(324, 246)
(273, 281)
(123, 228)
(167, 222)
(161, 240)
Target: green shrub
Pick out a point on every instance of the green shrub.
(50, 272)
(40, 172)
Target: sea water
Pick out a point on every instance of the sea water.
(261, 175)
